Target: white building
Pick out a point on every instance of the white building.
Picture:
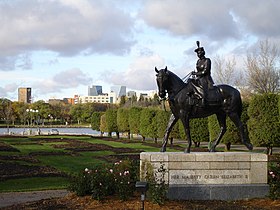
(103, 99)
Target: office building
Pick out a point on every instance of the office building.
(94, 90)
(119, 90)
(24, 95)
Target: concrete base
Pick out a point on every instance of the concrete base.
(217, 192)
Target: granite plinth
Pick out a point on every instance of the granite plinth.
(200, 175)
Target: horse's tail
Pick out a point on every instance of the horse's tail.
(239, 108)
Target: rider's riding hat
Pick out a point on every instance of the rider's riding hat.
(198, 47)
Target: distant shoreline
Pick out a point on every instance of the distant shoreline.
(46, 126)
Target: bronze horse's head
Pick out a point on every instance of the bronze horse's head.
(162, 78)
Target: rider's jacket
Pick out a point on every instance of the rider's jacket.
(203, 67)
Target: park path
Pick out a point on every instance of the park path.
(12, 198)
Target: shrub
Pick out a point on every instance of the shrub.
(264, 124)
(80, 184)
(274, 180)
(157, 187)
(124, 179)
(106, 180)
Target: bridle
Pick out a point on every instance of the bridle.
(161, 76)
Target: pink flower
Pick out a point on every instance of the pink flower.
(125, 173)
(111, 170)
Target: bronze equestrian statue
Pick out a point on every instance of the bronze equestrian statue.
(184, 100)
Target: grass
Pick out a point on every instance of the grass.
(70, 163)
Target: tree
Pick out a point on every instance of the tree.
(95, 120)
(148, 123)
(162, 118)
(134, 119)
(6, 111)
(263, 72)
(103, 125)
(111, 121)
(123, 121)
(20, 111)
(76, 112)
(225, 71)
(123, 100)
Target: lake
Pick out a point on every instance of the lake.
(78, 131)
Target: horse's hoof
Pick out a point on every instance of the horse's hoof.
(249, 146)
(187, 150)
(163, 149)
(212, 150)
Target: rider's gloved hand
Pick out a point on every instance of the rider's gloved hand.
(193, 73)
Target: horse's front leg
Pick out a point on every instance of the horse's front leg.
(171, 123)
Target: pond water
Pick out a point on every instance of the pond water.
(78, 131)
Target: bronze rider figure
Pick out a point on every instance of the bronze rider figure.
(203, 73)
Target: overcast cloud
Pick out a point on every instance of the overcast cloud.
(148, 33)
(67, 79)
(64, 26)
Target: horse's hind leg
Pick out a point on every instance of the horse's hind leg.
(222, 122)
(171, 123)
(186, 123)
(236, 119)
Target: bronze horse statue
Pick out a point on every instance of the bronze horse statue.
(226, 101)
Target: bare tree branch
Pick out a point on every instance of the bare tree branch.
(225, 72)
(263, 74)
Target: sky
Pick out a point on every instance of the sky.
(60, 47)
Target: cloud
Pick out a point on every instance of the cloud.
(67, 79)
(216, 20)
(140, 75)
(188, 18)
(8, 90)
(259, 17)
(67, 27)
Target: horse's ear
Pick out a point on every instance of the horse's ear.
(165, 68)
(156, 70)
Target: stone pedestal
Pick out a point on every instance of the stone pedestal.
(210, 176)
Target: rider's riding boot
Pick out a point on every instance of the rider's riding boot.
(203, 102)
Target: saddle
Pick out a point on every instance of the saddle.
(214, 96)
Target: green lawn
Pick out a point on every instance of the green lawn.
(53, 154)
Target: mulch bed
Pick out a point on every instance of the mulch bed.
(10, 170)
(7, 148)
(72, 201)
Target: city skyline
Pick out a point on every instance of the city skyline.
(60, 47)
(25, 94)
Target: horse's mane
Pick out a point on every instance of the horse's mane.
(175, 76)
